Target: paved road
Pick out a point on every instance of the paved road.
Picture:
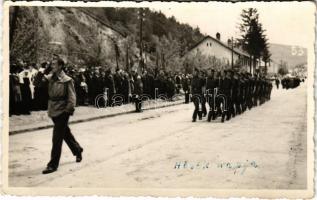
(265, 148)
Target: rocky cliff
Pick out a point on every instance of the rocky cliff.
(74, 33)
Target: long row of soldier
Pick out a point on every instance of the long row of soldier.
(28, 92)
(228, 94)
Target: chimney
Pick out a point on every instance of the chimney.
(218, 36)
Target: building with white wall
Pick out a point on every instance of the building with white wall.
(210, 46)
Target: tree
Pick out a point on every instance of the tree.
(266, 57)
(253, 40)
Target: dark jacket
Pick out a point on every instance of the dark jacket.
(196, 85)
(211, 84)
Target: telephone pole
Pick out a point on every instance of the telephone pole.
(231, 52)
(141, 17)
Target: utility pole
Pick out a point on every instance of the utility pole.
(232, 52)
(141, 17)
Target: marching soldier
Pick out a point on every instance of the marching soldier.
(235, 95)
(242, 93)
(257, 85)
(196, 90)
(219, 80)
(203, 79)
(262, 90)
(270, 89)
(226, 88)
(211, 85)
(249, 88)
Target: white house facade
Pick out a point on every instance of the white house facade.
(210, 46)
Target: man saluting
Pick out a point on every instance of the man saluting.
(62, 100)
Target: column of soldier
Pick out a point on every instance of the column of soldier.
(228, 93)
(28, 92)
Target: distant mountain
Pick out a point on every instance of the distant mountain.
(293, 55)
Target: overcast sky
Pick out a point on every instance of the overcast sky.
(289, 23)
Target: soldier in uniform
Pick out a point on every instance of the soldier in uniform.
(249, 87)
(257, 85)
(61, 104)
(235, 94)
(270, 89)
(211, 85)
(226, 88)
(241, 93)
(252, 89)
(203, 80)
(196, 90)
(219, 80)
(262, 90)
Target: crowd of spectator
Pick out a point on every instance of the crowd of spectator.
(29, 91)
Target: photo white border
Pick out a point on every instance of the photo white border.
(164, 192)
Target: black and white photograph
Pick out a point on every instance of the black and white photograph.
(159, 98)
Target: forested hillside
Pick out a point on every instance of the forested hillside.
(99, 36)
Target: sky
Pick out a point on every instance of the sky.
(290, 23)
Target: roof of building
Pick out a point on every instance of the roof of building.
(236, 50)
